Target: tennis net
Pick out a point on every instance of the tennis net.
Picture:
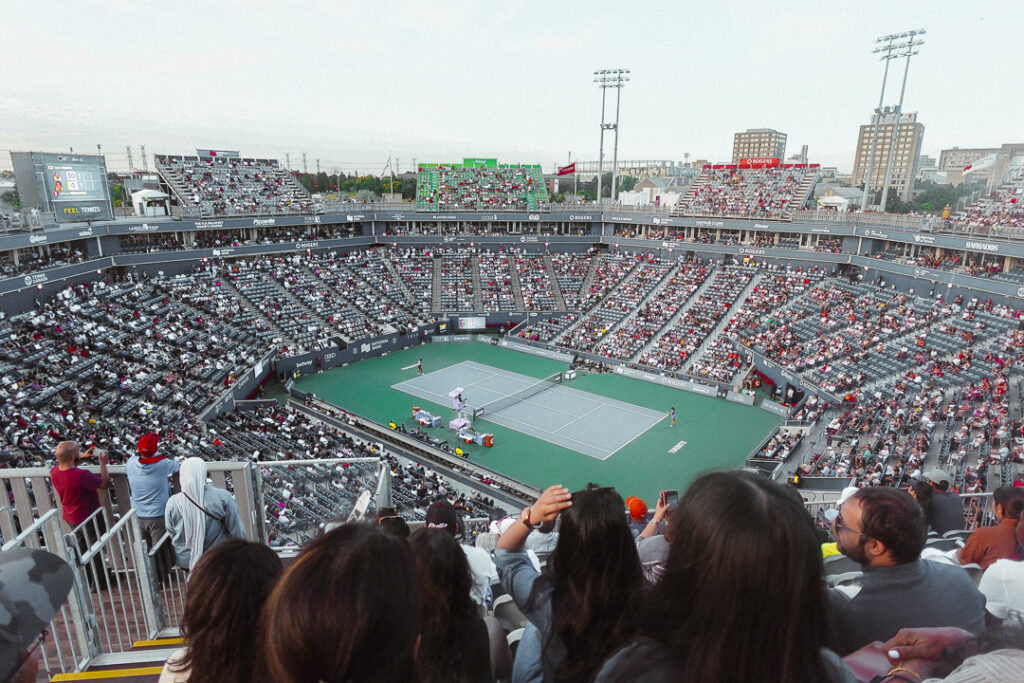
(522, 395)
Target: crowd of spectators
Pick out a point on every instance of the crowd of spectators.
(227, 186)
(40, 258)
(496, 290)
(104, 364)
(456, 273)
(721, 359)
(672, 349)
(755, 193)
(571, 272)
(1002, 209)
(447, 187)
(633, 334)
(535, 283)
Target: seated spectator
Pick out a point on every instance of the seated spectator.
(1003, 585)
(33, 586)
(994, 657)
(583, 605)
(742, 597)
(883, 529)
(442, 515)
(222, 607)
(347, 609)
(458, 645)
(201, 516)
(991, 543)
(389, 521)
(947, 509)
(653, 547)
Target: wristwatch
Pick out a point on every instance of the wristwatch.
(525, 519)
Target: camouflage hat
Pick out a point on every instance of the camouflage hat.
(33, 586)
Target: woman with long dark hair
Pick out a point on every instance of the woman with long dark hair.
(458, 645)
(582, 606)
(226, 591)
(742, 597)
(347, 609)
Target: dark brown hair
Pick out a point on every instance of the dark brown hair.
(226, 591)
(893, 517)
(346, 610)
(742, 597)
(445, 582)
(595, 579)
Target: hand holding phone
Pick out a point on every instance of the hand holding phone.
(667, 501)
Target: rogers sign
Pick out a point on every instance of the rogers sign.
(761, 161)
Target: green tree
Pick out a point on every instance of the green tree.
(11, 198)
(627, 183)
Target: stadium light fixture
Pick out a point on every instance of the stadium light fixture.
(610, 78)
(889, 48)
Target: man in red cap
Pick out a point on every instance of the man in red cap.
(147, 477)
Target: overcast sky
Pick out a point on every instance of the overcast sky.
(355, 83)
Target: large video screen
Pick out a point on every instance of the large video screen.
(76, 186)
(69, 181)
(472, 323)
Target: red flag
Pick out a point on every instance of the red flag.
(566, 170)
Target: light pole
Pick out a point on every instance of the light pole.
(908, 50)
(609, 78)
(888, 51)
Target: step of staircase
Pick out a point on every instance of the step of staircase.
(556, 289)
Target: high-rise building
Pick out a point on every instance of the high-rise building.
(758, 143)
(952, 162)
(904, 162)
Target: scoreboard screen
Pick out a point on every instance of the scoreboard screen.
(73, 186)
(472, 323)
(70, 181)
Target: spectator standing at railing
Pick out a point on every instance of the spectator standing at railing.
(201, 516)
(79, 499)
(147, 478)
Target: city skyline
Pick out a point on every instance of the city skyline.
(351, 85)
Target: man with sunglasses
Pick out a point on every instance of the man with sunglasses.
(884, 529)
(33, 586)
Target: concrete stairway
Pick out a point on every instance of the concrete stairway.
(556, 289)
(720, 327)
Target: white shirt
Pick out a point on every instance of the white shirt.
(1003, 587)
(481, 566)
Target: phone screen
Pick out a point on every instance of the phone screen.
(671, 498)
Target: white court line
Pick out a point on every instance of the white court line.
(537, 435)
(577, 395)
(576, 420)
(410, 367)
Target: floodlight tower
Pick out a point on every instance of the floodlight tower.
(908, 49)
(888, 49)
(610, 78)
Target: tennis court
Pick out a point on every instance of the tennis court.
(710, 433)
(586, 423)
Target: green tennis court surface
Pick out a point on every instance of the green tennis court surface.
(717, 433)
(578, 420)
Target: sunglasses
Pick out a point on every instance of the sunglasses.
(839, 524)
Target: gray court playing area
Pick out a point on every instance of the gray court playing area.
(580, 421)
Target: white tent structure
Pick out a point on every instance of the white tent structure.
(833, 203)
(151, 203)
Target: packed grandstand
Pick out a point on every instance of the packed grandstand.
(891, 346)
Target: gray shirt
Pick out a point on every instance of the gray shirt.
(913, 595)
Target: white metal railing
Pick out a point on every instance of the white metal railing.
(71, 640)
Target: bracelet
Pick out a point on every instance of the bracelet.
(899, 672)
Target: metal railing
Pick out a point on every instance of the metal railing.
(71, 641)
